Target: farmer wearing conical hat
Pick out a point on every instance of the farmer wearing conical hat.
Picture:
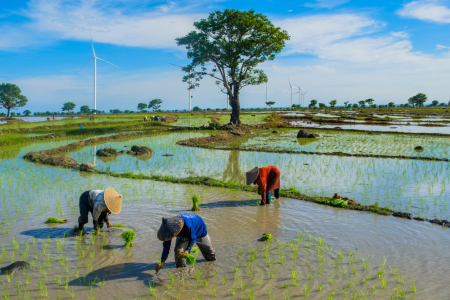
(268, 181)
(189, 229)
(100, 204)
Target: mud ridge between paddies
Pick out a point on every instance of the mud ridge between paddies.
(48, 157)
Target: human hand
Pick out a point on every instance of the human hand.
(181, 254)
(108, 224)
(159, 267)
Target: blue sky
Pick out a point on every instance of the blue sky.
(343, 50)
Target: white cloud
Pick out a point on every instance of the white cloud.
(428, 10)
(441, 47)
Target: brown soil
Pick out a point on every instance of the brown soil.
(234, 132)
(43, 158)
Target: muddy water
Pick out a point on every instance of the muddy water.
(234, 222)
(415, 186)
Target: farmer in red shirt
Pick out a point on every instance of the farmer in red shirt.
(267, 179)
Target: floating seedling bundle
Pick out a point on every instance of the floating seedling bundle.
(53, 220)
(128, 236)
(266, 237)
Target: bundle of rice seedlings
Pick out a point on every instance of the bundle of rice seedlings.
(195, 250)
(119, 225)
(266, 237)
(190, 259)
(195, 203)
(128, 236)
(53, 220)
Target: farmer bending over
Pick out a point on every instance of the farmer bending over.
(267, 179)
(100, 204)
(189, 229)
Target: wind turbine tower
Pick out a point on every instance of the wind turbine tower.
(290, 88)
(95, 58)
(267, 100)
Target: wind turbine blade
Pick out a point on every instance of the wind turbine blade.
(107, 62)
(176, 65)
(92, 43)
(84, 66)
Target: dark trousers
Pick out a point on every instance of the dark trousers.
(276, 194)
(85, 208)
(204, 244)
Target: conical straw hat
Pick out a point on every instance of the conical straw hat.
(170, 228)
(113, 200)
(252, 175)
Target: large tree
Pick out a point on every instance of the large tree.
(11, 97)
(235, 42)
(68, 106)
(155, 104)
(418, 100)
(85, 109)
(142, 106)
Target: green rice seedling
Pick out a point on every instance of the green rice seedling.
(53, 220)
(381, 273)
(393, 270)
(199, 273)
(243, 287)
(233, 290)
(172, 281)
(118, 225)
(214, 293)
(306, 290)
(332, 279)
(128, 236)
(413, 286)
(266, 237)
(383, 283)
(250, 295)
(367, 279)
(400, 279)
(205, 283)
(286, 296)
(382, 263)
(319, 287)
(195, 203)
(66, 285)
(224, 280)
(71, 294)
(57, 279)
(240, 252)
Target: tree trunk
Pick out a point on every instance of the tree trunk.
(9, 110)
(235, 106)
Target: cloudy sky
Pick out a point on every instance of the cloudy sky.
(339, 49)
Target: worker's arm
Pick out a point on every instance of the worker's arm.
(165, 254)
(192, 241)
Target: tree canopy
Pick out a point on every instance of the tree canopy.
(333, 103)
(418, 100)
(11, 97)
(313, 103)
(26, 113)
(142, 106)
(68, 106)
(155, 104)
(85, 109)
(235, 42)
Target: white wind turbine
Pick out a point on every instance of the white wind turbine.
(303, 98)
(300, 95)
(267, 100)
(290, 88)
(95, 71)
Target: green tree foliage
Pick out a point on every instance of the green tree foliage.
(333, 103)
(26, 113)
(313, 103)
(322, 105)
(346, 104)
(142, 106)
(270, 103)
(391, 104)
(11, 97)
(235, 43)
(369, 101)
(68, 106)
(355, 105)
(196, 108)
(362, 103)
(418, 100)
(85, 109)
(434, 103)
(155, 104)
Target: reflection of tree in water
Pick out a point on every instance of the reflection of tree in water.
(232, 172)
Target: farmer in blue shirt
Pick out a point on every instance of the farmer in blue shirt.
(189, 229)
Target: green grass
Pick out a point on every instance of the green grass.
(128, 236)
(53, 220)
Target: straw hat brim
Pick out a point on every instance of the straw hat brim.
(113, 200)
(252, 175)
(170, 229)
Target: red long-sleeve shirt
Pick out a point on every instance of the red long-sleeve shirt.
(268, 180)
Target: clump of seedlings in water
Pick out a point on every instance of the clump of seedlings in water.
(128, 236)
(266, 237)
(119, 225)
(190, 259)
(53, 220)
(195, 203)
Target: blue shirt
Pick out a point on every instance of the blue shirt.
(194, 227)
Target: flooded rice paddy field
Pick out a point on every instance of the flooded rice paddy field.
(351, 143)
(415, 186)
(318, 252)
